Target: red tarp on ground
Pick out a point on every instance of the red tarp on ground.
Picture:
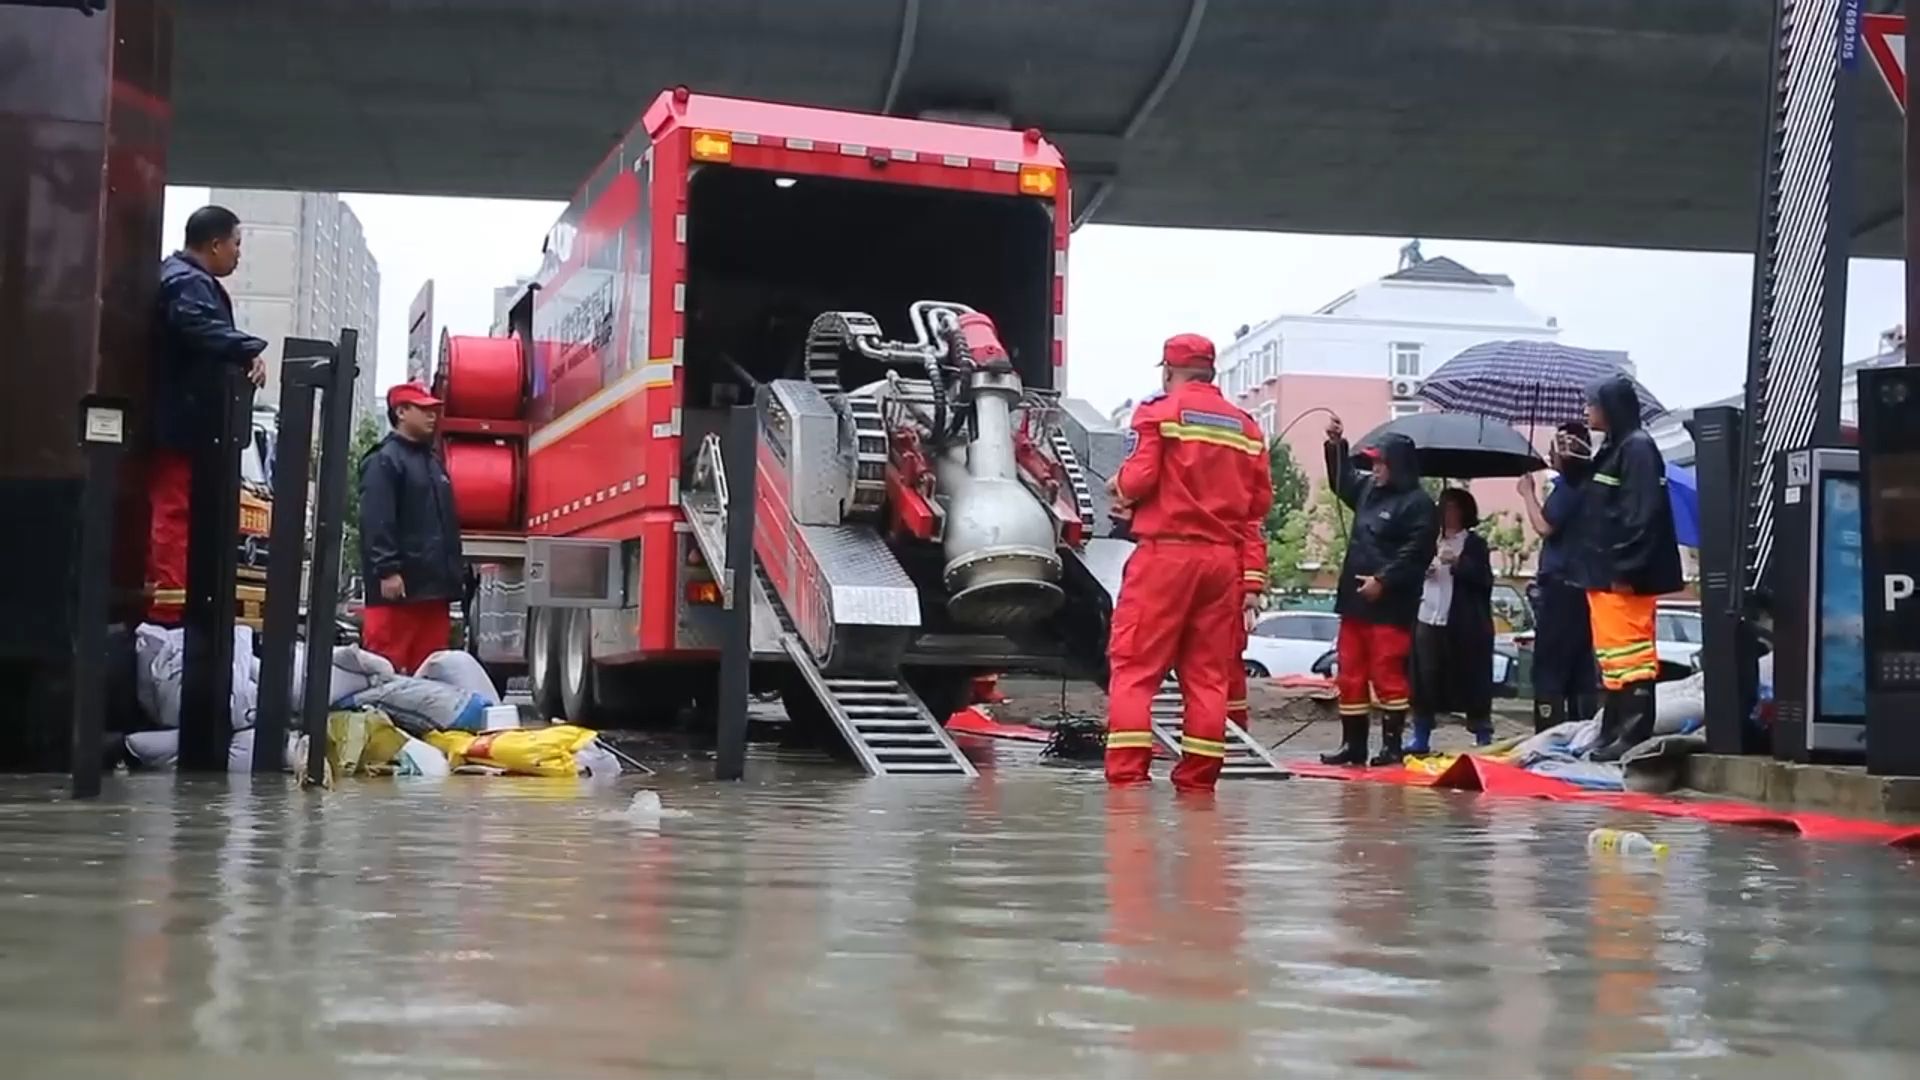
(1469, 773)
(975, 720)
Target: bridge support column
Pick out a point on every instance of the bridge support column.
(84, 122)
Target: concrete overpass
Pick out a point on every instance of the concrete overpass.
(1622, 122)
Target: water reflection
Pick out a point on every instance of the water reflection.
(1031, 923)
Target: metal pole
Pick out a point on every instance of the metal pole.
(286, 552)
(1912, 186)
(330, 499)
(206, 678)
(736, 643)
(102, 433)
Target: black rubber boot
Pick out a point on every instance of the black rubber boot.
(1583, 706)
(1393, 725)
(1547, 715)
(1353, 743)
(1634, 708)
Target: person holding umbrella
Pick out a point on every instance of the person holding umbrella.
(1452, 668)
(1564, 678)
(1395, 532)
(1626, 560)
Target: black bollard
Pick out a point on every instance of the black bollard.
(213, 530)
(736, 643)
(102, 437)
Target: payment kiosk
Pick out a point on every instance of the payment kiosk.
(1819, 673)
(1890, 484)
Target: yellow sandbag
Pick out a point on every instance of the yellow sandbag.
(1430, 764)
(544, 751)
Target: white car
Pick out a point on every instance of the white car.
(1289, 643)
(1677, 636)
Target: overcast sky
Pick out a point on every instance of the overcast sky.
(1682, 316)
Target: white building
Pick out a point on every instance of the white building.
(305, 271)
(1676, 445)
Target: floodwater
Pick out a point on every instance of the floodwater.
(810, 923)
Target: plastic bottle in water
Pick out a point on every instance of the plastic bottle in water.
(1623, 842)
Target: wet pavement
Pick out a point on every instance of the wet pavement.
(812, 923)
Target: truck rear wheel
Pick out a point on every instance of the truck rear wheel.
(543, 661)
(575, 667)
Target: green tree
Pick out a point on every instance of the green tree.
(1328, 526)
(365, 437)
(1290, 486)
(1286, 525)
(1509, 541)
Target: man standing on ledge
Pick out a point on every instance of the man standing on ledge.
(1627, 556)
(1395, 533)
(195, 345)
(1194, 476)
(409, 535)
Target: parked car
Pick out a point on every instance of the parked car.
(1289, 643)
(1677, 639)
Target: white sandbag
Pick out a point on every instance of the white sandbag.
(596, 760)
(457, 668)
(1681, 705)
(161, 749)
(157, 657)
(418, 706)
(417, 758)
(354, 669)
(160, 656)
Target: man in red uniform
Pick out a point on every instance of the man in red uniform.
(195, 344)
(1195, 474)
(409, 535)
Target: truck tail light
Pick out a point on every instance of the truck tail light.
(1038, 180)
(714, 146)
(703, 592)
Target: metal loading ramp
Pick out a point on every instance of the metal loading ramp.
(1246, 758)
(884, 722)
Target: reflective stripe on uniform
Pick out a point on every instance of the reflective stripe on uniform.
(1610, 481)
(1203, 747)
(1129, 740)
(1234, 440)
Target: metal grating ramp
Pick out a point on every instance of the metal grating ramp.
(1246, 758)
(889, 730)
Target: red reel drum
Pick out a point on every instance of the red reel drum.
(483, 378)
(487, 477)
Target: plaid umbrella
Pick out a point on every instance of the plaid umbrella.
(1526, 382)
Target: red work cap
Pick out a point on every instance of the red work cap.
(1189, 351)
(411, 393)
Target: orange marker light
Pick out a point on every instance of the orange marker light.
(1038, 180)
(712, 146)
(703, 592)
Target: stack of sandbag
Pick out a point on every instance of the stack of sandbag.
(451, 693)
(559, 750)
(159, 657)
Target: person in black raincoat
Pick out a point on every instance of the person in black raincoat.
(1565, 680)
(1394, 534)
(409, 535)
(1627, 559)
(1453, 641)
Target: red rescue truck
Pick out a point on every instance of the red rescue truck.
(891, 292)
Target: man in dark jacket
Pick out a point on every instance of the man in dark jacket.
(1627, 557)
(409, 535)
(195, 345)
(1395, 533)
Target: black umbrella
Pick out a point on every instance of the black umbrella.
(1459, 446)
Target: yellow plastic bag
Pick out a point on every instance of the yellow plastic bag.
(544, 751)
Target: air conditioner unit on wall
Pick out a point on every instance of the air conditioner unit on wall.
(1406, 386)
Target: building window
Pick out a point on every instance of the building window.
(1403, 408)
(1406, 359)
(1264, 414)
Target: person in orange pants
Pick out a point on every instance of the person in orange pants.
(195, 343)
(1395, 532)
(1194, 475)
(1631, 556)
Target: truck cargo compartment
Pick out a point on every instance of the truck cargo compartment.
(768, 253)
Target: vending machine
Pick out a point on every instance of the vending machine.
(1819, 672)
